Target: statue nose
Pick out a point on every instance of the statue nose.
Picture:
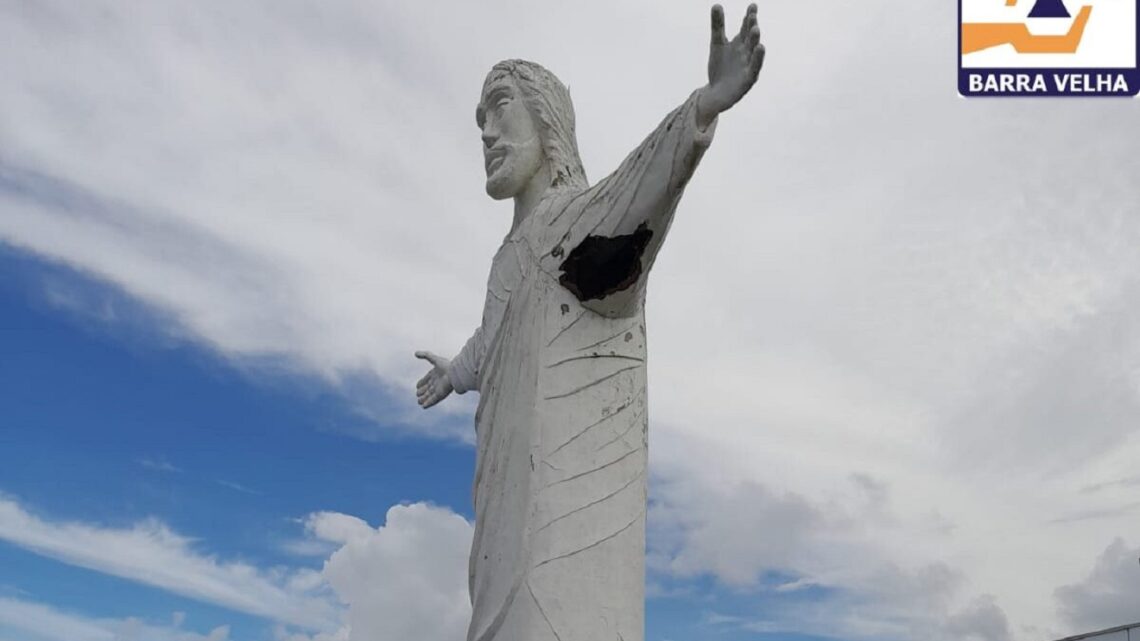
(489, 138)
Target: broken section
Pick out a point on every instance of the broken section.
(600, 265)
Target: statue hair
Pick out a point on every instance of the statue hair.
(548, 102)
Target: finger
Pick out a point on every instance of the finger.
(430, 357)
(423, 381)
(431, 400)
(718, 25)
(756, 62)
(748, 22)
(754, 37)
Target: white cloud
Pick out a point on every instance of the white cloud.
(282, 633)
(937, 293)
(405, 579)
(238, 487)
(151, 553)
(899, 606)
(158, 465)
(1109, 595)
(776, 545)
(46, 623)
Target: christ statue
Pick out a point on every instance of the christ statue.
(559, 357)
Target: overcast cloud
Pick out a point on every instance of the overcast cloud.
(894, 332)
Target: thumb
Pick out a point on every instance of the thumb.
(434, 359)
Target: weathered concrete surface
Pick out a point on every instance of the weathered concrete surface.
(559, 357)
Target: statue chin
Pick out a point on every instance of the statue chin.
(504, 184)
(500, 189)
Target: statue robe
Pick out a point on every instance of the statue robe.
(559, 363)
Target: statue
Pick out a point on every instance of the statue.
(559, 358)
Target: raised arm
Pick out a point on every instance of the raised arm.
(733, 66)
(662, 165)
(610, 234)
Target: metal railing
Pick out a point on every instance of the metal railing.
(1119, 633)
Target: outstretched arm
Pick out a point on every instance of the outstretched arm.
(435, 385)
(733, 66)
(610, 233)
(460, 374)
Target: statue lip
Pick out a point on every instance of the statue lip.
(492, 158)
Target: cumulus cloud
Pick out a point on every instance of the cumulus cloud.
(1109, 595)
(151, 553)
(899, 605)
(982, 620)
(935, 293)
(405, 579)
(778, 545)
(768, 532)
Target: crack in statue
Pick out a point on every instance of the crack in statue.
(559, 358)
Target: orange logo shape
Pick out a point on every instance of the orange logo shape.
(983, 35)
(1045, 48)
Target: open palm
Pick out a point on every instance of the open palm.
(733, 65)
(436, 384)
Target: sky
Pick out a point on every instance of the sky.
(894, 337)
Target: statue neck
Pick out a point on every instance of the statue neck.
(527, 199)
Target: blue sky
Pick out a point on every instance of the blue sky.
(108, 423)
(895, 335)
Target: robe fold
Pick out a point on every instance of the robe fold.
(559, 363)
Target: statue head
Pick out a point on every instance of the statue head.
(527, 120)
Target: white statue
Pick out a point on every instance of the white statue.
(559, 359)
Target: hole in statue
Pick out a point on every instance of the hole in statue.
(600, 265)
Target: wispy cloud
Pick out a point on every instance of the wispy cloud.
(238, 487)
(1099, 513)
(308, 547)
(158, 465)
(51, 624)
(1125, 482)
(151, 553)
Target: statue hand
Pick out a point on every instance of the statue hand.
(733, 66)
(435, 385)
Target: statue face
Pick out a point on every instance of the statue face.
(512, 149)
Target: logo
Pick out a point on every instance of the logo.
(1048, 48)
